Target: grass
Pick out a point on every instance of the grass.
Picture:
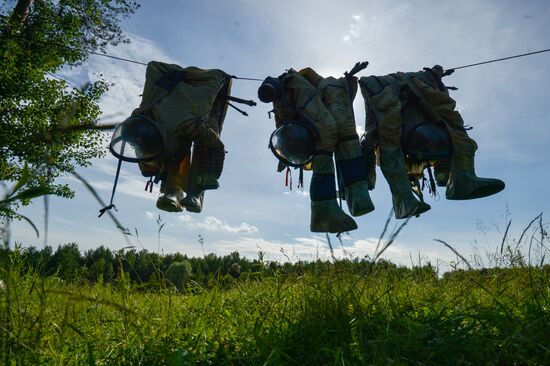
(332, 315)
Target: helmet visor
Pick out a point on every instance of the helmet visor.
(137, 139)
(293, 144)
(428, 141)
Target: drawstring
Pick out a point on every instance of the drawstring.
(301, 179)
(149, 185)
(433, 186)
(111, 205)
(288, 178)
(249, 103)
(237, 109)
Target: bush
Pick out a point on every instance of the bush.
(178, 274)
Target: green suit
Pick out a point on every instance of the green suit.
(400, 99)
(327, 104)
(188, 105)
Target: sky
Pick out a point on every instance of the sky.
(507, 103)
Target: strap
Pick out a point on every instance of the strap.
(288, 178)
(250, 103)
(149, 185)
(111, 205)
(237, 109)
(433, 186)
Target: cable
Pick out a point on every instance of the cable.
(117, 58)
(143, 63)
(499, 59)
(255, 79)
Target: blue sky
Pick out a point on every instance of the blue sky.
(508, 104)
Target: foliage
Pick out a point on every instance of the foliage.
(179, 273)
(121, 307)
(38, 113)
(331, 314)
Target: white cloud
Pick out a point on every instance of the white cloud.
(184, 219)
(354, 29)
(312, 242)
(212, 223)
(297, 192)
(150, 215)
(125, 79)
(316, 247)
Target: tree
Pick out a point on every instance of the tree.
(44, 121)
(99, 262)
(66, 261)
(179, 273)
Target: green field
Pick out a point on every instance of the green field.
(343, 313)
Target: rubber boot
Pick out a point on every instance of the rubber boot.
(208, 163)
(358, 198)
(338, 95)
(441, 172)
(465, 185)
(353, 178)
(193, 201)
(405, 203)
(170, 201)
(369, 155)
(172, 187)
(326, 215)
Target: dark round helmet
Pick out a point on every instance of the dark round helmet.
(428, 141)
(270, 90)
(293, 144)
(137, 139)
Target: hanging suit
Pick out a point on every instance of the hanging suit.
(386, 103)
(188, 105)
(327, 104)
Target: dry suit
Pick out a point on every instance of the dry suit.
(307, 96)
(188, 106)
(395, 101)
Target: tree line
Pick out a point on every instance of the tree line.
(148, 269)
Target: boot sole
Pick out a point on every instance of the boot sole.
(364, 211)
(420, 209)
(190, 206)
(478, 193)
(168, 205)
(332, 230)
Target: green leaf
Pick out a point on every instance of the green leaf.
(25, 175)
(30, 193)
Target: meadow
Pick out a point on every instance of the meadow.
(346, 312)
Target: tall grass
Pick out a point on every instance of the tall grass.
(330, 314)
